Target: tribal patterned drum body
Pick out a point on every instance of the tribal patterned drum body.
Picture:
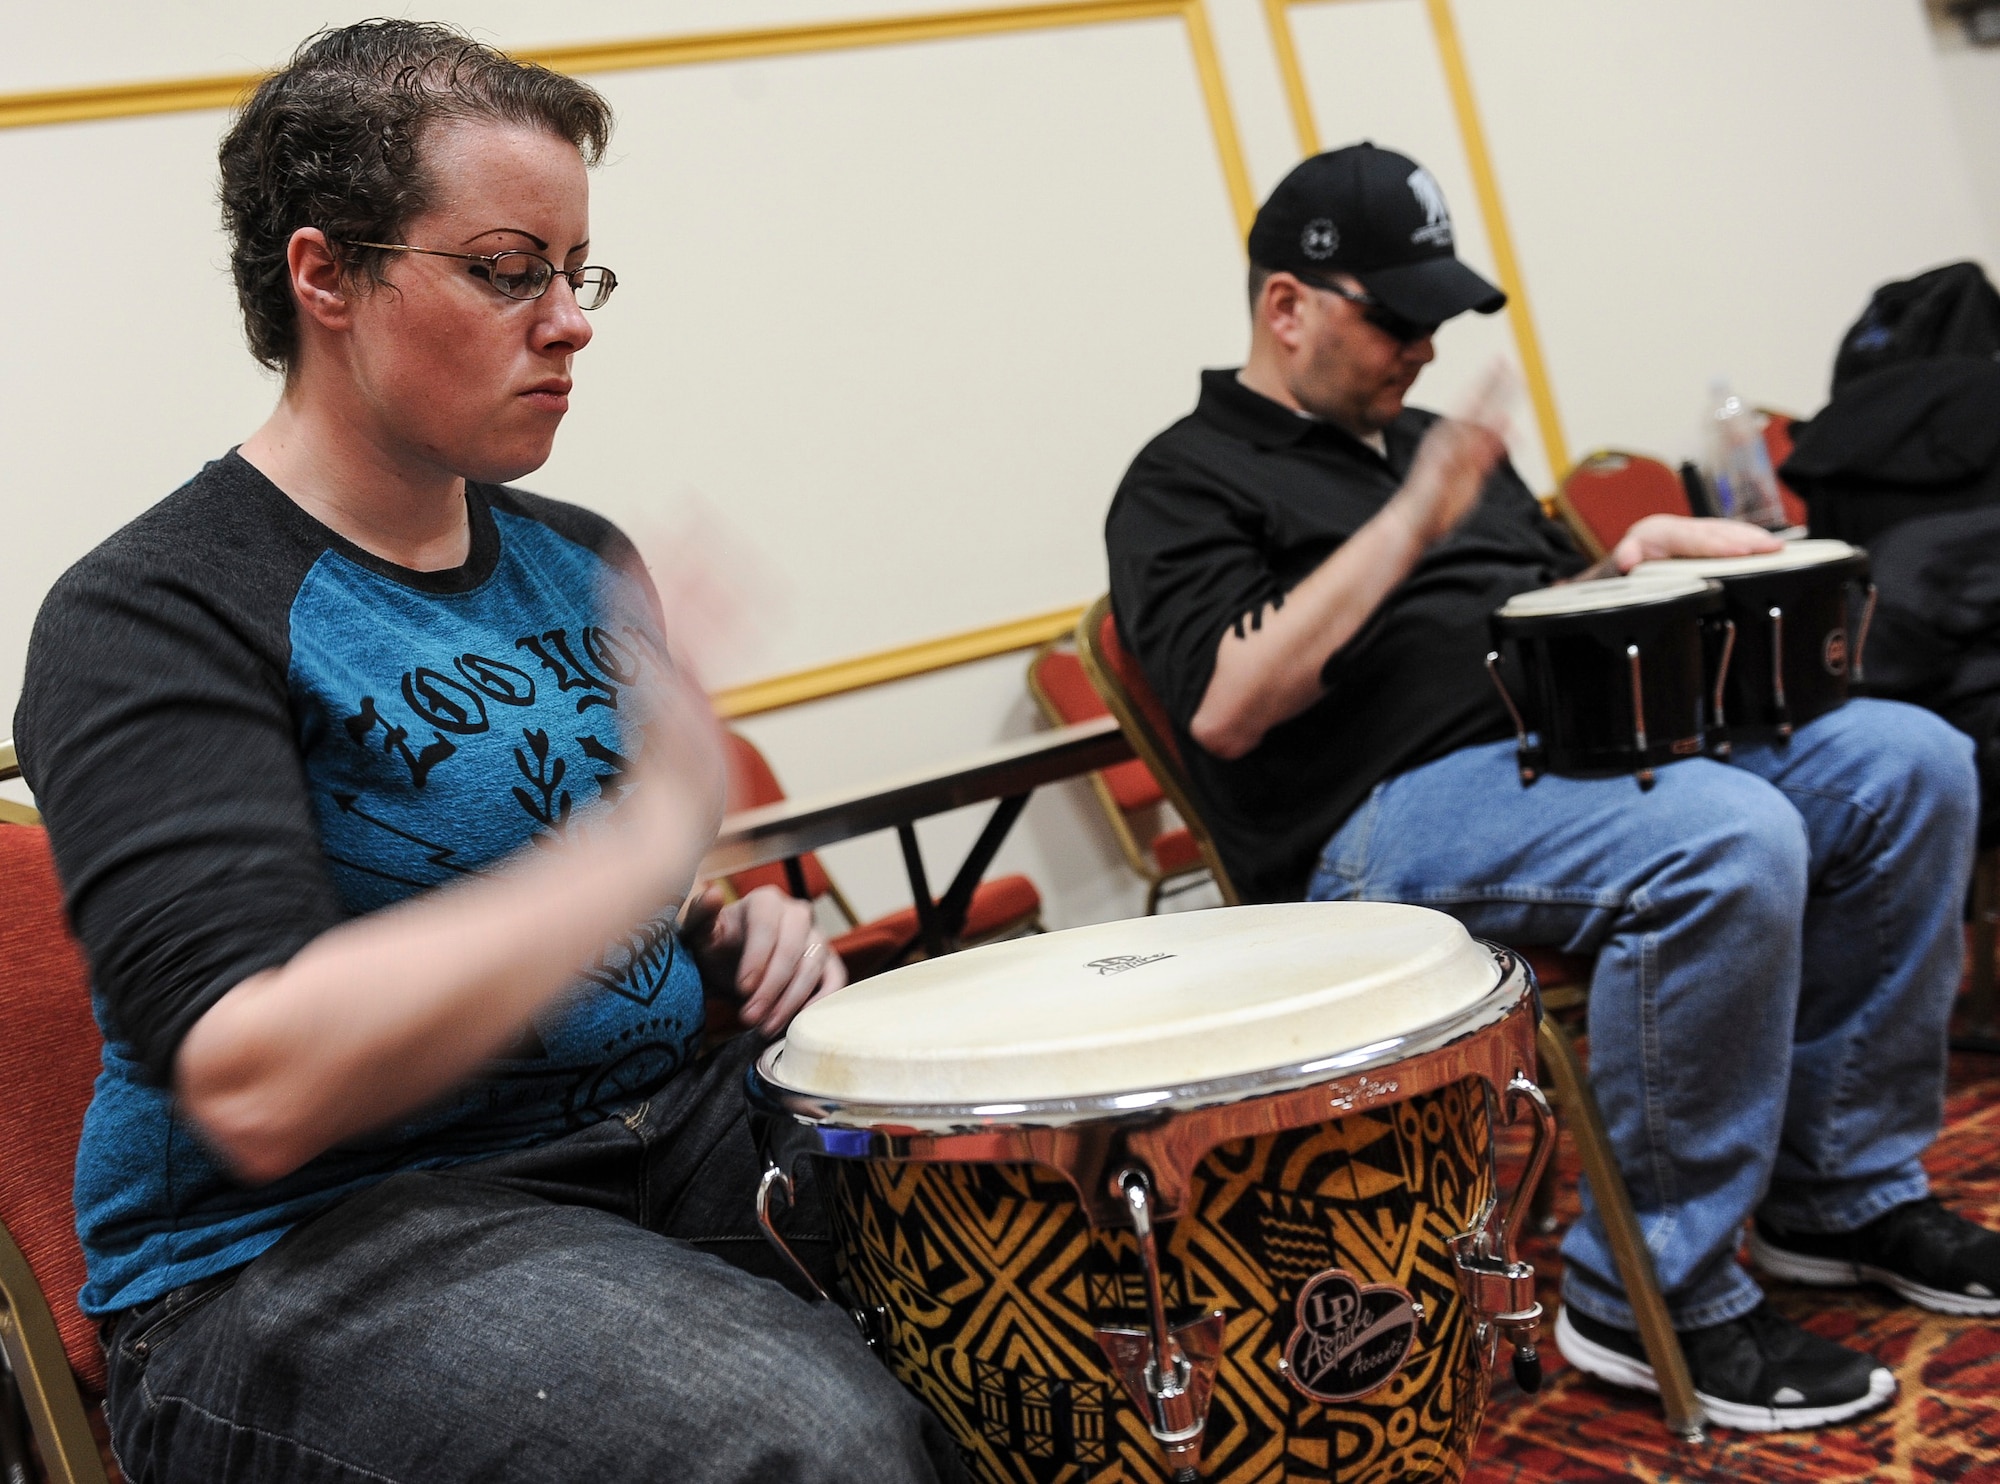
(1256, 1141)
(1790, 609)
(1612, 676)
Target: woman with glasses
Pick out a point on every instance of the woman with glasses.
(376, 794)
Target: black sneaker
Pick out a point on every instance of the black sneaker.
(1925, 1253)
(1760, 1373)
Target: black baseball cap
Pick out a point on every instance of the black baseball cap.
(1379, 216)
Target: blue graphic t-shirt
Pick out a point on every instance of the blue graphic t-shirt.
(243, 730)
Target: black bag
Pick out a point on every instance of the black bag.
(1914, 425)
(1915, 439)
(1948, 311)
(1935, 639)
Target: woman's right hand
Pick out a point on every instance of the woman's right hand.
(377, 1017)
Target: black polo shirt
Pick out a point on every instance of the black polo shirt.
(1233, 506)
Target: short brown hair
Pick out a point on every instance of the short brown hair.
(333, 140)
(1259, 276)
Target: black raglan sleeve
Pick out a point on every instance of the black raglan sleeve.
(155, 730)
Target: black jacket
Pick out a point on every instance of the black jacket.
(1935, 639)
(1914, 425)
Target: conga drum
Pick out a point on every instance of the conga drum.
(1612, 674)
(1791, 611)
(1204, 1196)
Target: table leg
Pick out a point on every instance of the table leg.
(957, 899)
(795, 878)
(942, 922)
(928, 920)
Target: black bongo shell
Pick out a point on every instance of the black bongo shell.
(1572, 675)
(1815, 661)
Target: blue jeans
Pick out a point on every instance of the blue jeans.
(587, 1310)
(1778, 945)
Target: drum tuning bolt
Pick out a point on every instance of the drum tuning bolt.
(1168, 1369)
(1498, 1287)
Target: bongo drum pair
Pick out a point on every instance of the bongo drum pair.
(1790, 613)
(1680, 658)
(1210, 1195)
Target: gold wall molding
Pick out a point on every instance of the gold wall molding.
(130, 100)
(902, 663)
(1472, 134)
(181, 95)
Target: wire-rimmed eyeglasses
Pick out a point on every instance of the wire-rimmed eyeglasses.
(520, 274)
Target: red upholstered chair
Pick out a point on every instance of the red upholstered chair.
(49, 1058)
(1603, 496)
(1778, 443)
(1129, 696)
(1169, 860)
(1125, 688)
(1000, 908)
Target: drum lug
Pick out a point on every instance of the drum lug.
(1778, 672)
(1639, 714)
(1861, 638)
(1527, 756)
(776, 1176)
(1723, 749)
(1168, 1370)
(1498, 1287)
(873, 1322)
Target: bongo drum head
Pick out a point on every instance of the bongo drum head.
(1145, 1004)
(1795, 554)
(1603, 593)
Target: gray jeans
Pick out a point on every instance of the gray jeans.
(600, 1308)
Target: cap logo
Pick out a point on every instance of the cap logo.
(1436, 230)
(1320, 240)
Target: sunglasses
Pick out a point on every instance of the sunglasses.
(1381, 316)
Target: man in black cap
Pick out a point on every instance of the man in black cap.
(1305, 568)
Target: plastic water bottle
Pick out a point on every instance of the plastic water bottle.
(1746, 487)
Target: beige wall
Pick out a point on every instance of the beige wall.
(1972, 96)
(904, 313)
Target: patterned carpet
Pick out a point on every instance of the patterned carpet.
(1944, 1424)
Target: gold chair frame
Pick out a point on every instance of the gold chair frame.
(1137, 856)
(1573, 1097)
(41, 1372)
(1573, 522)
(1155, 751)
(1565, 510)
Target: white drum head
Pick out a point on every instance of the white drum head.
(1151, 1003)
(1602, 593)
(1795, 554)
